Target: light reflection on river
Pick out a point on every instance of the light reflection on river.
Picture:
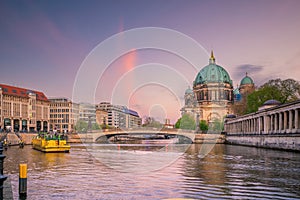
(226, 172)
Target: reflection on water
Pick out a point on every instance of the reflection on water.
(226, 172)
(137, 158)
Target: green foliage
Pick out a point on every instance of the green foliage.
(81, 126)
(96, 126)
(203, 125)
(281, 90)
(215, 126)
(104, 126)
(177, 124)
(257, 98)
(289, 89)
(187, 122)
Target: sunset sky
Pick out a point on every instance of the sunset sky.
(43, 46)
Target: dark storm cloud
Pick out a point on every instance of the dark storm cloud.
(241, 70)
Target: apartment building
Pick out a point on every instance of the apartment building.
(117, 116)
(87, 112)
(63, 114)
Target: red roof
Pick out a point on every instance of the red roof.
(22, 92)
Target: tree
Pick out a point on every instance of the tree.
(104, 126)
(264, 93)
(281, 90)
(96, 126)
(81, 126)
(177, 124)
(289, 89)
(216, 126)
(203, 125)
(186, 122)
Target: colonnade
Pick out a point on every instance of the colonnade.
(277, 120)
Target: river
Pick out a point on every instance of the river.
(227, 172)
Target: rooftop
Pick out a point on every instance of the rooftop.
(22, 92)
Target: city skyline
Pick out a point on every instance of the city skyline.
(45, 43)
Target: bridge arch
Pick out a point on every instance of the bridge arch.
(102, 136)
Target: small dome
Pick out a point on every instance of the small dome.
(230, 116)
(271, 102)
(246, 80)
(189, 91)
(236, 91)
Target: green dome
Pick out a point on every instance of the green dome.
(246, 80)
(189, 91)
(236, 91)
(212, 73)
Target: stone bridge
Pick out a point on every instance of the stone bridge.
(97, 136)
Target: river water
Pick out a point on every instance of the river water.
(97, 171)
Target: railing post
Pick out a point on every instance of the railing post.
(2, 177)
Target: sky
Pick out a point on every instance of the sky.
(46, 45)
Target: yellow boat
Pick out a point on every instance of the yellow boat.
(49, 144)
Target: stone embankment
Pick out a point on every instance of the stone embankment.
(209, 138)
(285, 142)
(79, 138)
(13, 139)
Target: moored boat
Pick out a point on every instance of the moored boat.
(48, 143)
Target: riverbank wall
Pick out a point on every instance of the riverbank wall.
(209, 138)
(289, 142)
(13, 139)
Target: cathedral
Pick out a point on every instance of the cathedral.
(213, 95)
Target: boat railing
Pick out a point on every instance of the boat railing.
(52, 137)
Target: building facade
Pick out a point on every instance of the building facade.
(132, 119)
(117, 116)
(212, 94)
(102, 118)
(63, 115)
(241, 93)
(23, 110)
(87, 112)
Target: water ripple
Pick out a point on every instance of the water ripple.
(228, 172)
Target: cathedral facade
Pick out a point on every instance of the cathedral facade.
(213, 96)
